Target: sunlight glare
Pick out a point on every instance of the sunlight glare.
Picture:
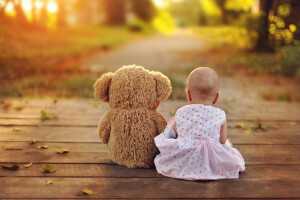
(27, 5)
(2, 3)
(9, 7)
(159, 3)
(38, 5)
(52, 7)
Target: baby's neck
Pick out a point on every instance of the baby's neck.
(207, 103)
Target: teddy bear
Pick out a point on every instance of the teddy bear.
(131, 123)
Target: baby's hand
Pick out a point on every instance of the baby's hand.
(230, 142)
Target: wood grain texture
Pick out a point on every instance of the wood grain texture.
(283, 134)
(272, 156)
(115, 171)
(35, 187)
(96, 153)
(270, 111)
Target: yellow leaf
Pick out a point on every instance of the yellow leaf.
(247, 131)
(42, 147)
(293, 123)
(293, 28)
(48, 168)
(172, 112)
(16, 129)
(240, 125)
(86, 192)
(28, 165)
(61, 151)
(10, 167)
(49, 182)
(96, 104)
(33, 141)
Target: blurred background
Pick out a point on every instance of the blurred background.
(58, 48)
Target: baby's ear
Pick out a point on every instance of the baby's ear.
(163, 86)
(101, 86)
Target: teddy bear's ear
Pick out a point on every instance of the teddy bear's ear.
(101, 86)
(163, 86)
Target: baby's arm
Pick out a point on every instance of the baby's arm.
(223, 133)
(175, 129)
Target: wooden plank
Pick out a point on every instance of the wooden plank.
(21, 187)
(283, 134)
(71, 108)
(82, 121)
(96, 153)
(115, 171)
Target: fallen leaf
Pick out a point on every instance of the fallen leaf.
(10, 167)
(33, 141)
(54, 101)
(18, 108)
(53, 116)
(172, 112)
(96, 104)
(44, 115)
(48, 182)
(47, 116)
(6, 106)
(85, 192)
(61, 151)
(293, 123)
(48, 168)
(43, 147)
(240, 125)
(248, 131)
(28, 165)
(16, 129)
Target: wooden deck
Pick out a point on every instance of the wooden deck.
(272, 156)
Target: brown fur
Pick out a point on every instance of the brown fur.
(132, 122)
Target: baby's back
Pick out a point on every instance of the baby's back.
(197, 120)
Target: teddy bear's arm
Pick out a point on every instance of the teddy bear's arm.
(104, 127)
(160, 121)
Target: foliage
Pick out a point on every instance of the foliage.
(163, 22)
(280, 32)
(211, 12)
(40, 52)
(138, 25)
(290, 60)
(226, 35)
(239, 5)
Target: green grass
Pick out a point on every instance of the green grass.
(27, 52)
(80, 86)
(220, 36)
(33, 62)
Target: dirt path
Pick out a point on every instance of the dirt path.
(155, 53)
(163, 53)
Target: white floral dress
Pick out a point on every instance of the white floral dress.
(197, 154)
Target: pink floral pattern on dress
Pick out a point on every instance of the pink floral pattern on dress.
(196, 154)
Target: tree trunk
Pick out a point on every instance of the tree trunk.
(61, 15)
(20, 15)
(263, 43)
(143, 9)
(115, 11)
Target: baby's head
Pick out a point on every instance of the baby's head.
(203, 86)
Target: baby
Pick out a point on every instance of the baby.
(194, 144)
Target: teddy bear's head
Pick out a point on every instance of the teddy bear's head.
(133, 87)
